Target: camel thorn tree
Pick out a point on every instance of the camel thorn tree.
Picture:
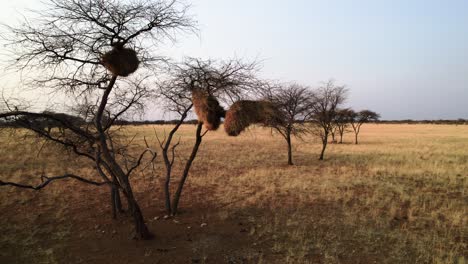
(357, 119)
(212, 82)
(86, 49)
(294, 102)
(342, 122)
(326, 101)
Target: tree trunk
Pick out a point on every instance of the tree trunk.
(324, 146)
(341, 137)
(192, 157)
(167, 191)
(141, 230)
(115, 196)
(288, 140)
(168, 163)
(356, 128)
(116, 203)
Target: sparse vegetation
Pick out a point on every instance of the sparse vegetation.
(398, 197)
(327, 100)
(295, 103)
(356, 119)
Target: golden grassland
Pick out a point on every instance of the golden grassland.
(400, 196)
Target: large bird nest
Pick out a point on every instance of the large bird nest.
(208, 110)
(121, 61)
(245, 113)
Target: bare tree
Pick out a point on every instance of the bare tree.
(326, 101)
(342, 121)
(225, 80)
(74, 44)
(295, 103)
(359, 118)
(228, 80)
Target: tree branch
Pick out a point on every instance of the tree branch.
(46, 180)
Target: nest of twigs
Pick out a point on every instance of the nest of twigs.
(245, 113)
(120, 61)
(208, 109)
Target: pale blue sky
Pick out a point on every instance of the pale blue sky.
(401, 58)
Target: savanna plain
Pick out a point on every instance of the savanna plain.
(400, 196)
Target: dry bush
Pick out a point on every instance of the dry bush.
(244, 113)
(121, 61)
(207, 109)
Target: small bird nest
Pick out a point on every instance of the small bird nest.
(244, 113)
(208, 110)
(121, 61)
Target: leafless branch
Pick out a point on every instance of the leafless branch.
(46, 180)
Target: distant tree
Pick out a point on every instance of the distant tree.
(294, 102)
(359, 118)
(51, 124)
(333, 133)
(85, 49)
(326, 101)
(342, 121)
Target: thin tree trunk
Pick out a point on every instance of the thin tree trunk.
(192, 157)
(141, 230)
(168, 164)
(341, 137)
(356, 129)
(288, 140)
(324, 146)
(116, 202)
(115, 196)
(167, 191)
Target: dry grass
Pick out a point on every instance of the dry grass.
(401, 196)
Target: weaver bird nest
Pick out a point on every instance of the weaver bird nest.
(121, 61)
(208, 110)
(245, 113)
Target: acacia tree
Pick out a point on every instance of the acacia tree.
(294, 102)
(225, 80)
(326, 101)
(342, 121)
(69, 44)
(359, 118)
